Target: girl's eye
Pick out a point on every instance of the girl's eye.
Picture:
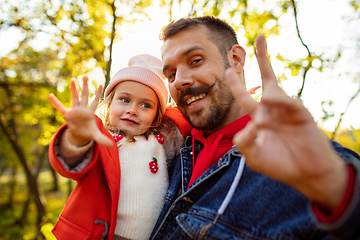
(125, 99)
(145, 105)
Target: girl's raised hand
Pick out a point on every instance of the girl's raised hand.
(80, 118)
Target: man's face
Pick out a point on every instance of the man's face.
(196, 73)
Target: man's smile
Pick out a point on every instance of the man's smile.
(195, 98)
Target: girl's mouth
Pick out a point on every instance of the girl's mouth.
(128, 120)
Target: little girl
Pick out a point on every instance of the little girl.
(119, 162)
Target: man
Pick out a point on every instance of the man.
(289, 163)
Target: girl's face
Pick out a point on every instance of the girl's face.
(133, 107)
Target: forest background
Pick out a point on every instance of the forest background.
(314, 48)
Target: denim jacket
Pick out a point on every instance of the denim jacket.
(260, 208)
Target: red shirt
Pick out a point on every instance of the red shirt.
(215, 145)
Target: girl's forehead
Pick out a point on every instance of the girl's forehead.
(131, 86)
(135, 89)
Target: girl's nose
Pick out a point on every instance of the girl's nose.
(131, 111)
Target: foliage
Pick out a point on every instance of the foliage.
(347, 137)
(355, 4)
(68, 38)
(55, 203)
(77, 34)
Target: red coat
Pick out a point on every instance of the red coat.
(96, 195)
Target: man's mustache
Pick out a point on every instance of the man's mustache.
(193, 91)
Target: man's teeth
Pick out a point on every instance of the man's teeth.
(194, 98)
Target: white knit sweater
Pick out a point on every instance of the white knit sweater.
(142, 193)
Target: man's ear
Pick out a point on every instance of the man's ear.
(236, 57)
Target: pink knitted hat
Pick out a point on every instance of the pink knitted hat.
(144, 69)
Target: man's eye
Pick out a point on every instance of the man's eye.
(196, 61)
(171, 77)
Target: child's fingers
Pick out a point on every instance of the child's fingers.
(94, 104)
(57, 104)
(74, 93)
(102, 139)
(85, 91)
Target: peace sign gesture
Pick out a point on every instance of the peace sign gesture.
(80, 118)
(283, 142)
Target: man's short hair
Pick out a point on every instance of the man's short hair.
(220, 32)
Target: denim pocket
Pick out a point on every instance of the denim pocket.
(201, 227)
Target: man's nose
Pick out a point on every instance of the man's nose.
(182, 79)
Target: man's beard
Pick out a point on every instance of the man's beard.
(218, 111)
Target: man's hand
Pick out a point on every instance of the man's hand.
(80, 119)
(283, 142)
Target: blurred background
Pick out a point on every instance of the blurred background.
(314, 47)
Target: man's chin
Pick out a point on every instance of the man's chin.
(197, 123)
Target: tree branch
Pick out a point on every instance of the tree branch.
(307, 68)
(342, 114)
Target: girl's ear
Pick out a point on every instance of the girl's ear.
(236, 56)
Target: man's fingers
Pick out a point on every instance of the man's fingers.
(245, 140)
(267, 73)
(85, 91)
(57, 104)
(74, 93)
(239, 91)
(98, 94)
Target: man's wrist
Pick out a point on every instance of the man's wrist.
(327, 188)
(336, 186)
(326, 216)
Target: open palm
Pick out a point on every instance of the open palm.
(80, 118)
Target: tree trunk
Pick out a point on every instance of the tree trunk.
(11, 134)
(12, 185)
(69, 187)
(22, 220)
(55, 179)
(31, 180)
(41, 158)
(113, 29)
